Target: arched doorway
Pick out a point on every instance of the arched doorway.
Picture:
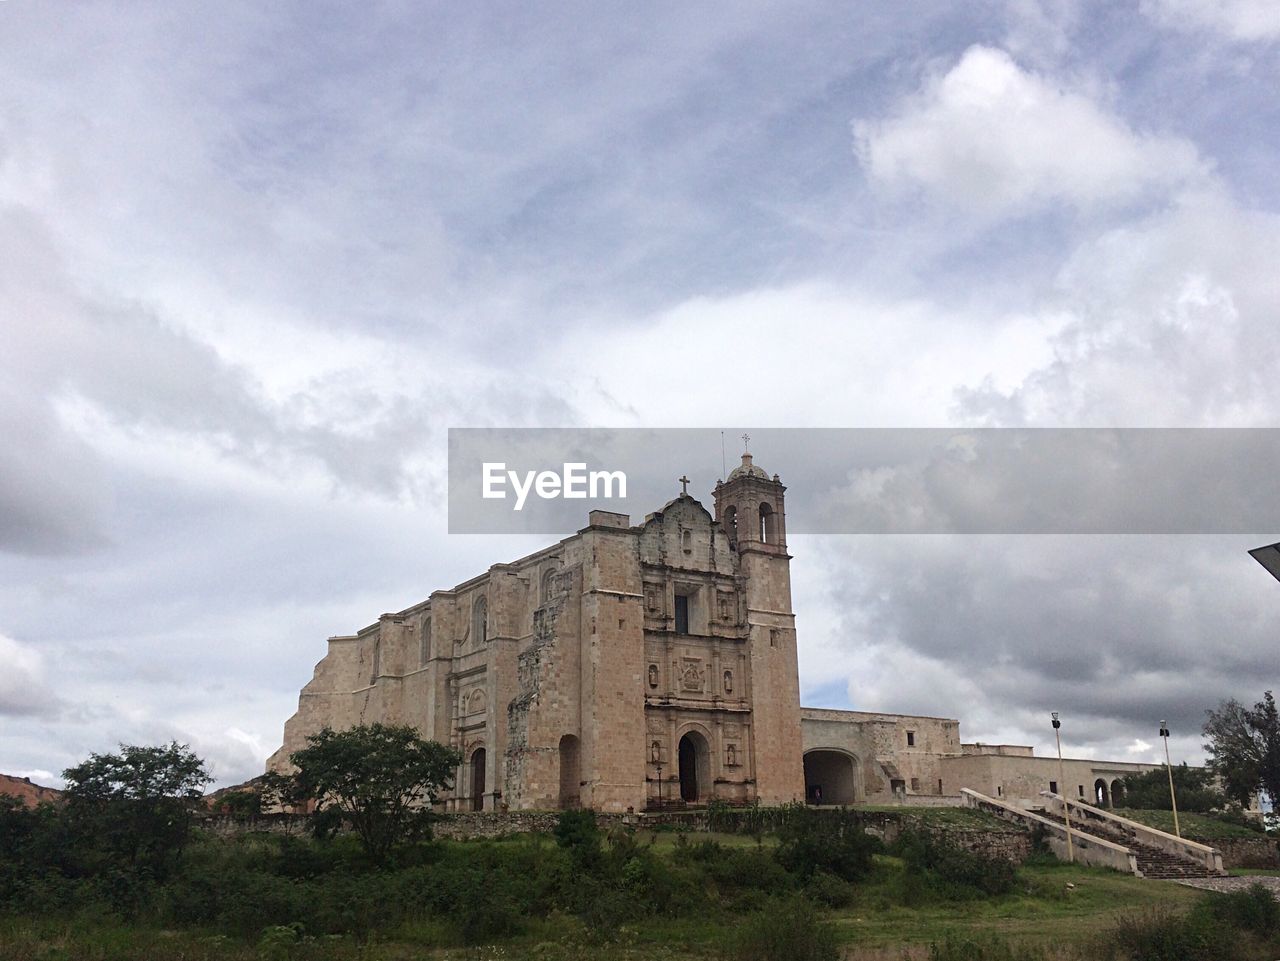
(477, 779)
(830, 777)
(1117, 792)
(1101, 794)
(570, 781)
(695, 768)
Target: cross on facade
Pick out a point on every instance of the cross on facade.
(684, 486)
(746, 439)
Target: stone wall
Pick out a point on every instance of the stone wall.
(995, 841)
(1259, 852)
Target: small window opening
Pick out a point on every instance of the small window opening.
(911, 739)
(682, 614)
(915, 784)
(480, 621)
(1053, 787)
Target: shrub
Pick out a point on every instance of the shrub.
(950, 870)
(1161, 936)
(786, 930)
(1254, 909)
(578, 833)
(825, 840)
(827, 889)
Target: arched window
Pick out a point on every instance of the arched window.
(480, 621)
(377, 661)
(767, 533)
(731, 524)
(424, 644)
(548, 584)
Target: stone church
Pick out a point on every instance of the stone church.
(640, 667)
(624, 667)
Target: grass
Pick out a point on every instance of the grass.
(1195, 827)
(1054, 908)
(1053, 905)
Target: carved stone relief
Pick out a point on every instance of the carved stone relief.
(691, 675)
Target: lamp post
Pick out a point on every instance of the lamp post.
(1062, 784)
(1173, 798)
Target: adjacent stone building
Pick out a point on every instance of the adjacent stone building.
(853, 757)
(624, 667)
(641, 666)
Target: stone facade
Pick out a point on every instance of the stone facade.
(626, 667)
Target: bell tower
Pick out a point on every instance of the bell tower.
(750, 507)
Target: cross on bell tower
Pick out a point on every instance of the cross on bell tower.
(684, 485)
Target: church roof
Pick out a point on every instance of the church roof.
(748, 469)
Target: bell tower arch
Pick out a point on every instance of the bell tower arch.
(751, 508)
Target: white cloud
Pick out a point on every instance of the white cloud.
(1243, 20)
(1166, 321)
(993, 139)
(23, 690)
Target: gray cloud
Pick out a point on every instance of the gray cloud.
(254, 262)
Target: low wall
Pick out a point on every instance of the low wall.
(1259, 852)
(1010, 843)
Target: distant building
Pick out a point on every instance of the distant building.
(856, 757)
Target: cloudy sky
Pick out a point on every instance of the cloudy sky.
(256, 259)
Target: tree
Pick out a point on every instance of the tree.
(137, 805)
(380, 778)
(1244, 748)
(1196, 787)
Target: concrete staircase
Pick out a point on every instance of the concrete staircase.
(1152, 861)
(1158, 854)
(1104, 839)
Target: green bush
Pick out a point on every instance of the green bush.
(1254, 909)
(1161, 936)
(578, 833)
(786, 930)
(831, 841)
(948, 870)
(827, 889)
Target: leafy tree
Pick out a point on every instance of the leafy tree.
(1196, 786)
(380, 778)
(1244, 748)
(137, 805)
